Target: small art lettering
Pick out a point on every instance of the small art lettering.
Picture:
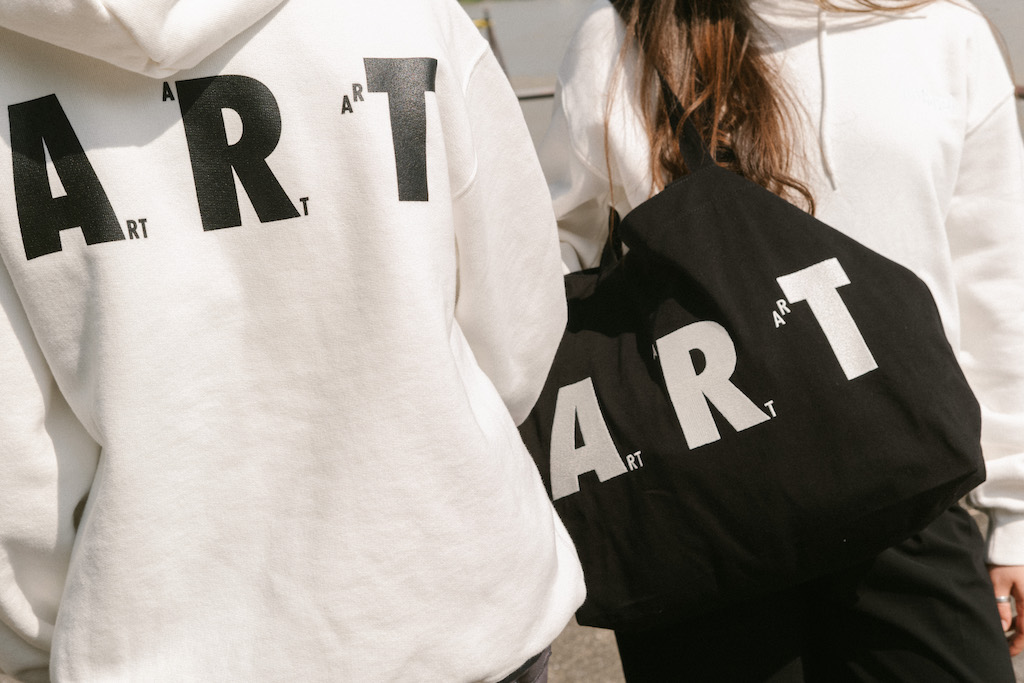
(694, 392)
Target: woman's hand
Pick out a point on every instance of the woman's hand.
(1009, 581)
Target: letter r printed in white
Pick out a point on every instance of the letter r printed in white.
(690, 392)
(818, 285)
(578, 402)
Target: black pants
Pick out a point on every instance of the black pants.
(921, 612)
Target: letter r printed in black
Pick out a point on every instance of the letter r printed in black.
(201, 101)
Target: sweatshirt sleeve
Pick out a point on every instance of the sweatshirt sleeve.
(577, 151)
(511, 297)
(596, 152)
(48, 461)
(986, 229)
(579, 191)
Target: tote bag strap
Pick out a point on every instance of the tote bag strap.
(692, 147)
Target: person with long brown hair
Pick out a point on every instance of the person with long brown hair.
(895, 123)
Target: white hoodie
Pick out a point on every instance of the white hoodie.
(277, 280)
(910, 144)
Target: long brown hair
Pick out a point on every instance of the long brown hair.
(709, 54)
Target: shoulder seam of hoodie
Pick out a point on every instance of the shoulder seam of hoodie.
(1000, 103)
(471, 178)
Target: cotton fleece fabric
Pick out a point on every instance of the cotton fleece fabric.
(907, 135)
(278, 279)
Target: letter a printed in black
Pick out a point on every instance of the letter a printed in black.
(42, 216)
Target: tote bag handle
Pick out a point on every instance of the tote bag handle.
(692, 147)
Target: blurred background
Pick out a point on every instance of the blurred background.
(529, 37)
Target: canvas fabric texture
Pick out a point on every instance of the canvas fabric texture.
(748, 400)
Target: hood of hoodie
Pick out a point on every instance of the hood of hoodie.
(806, 20)
(153, 37)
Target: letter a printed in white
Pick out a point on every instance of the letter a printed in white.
(578, 402)
(818, 285)
(690, 392)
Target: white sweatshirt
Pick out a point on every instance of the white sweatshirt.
(277, 280)
(910, 144)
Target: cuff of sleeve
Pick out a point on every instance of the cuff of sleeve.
(570, 260)
(1006, 538)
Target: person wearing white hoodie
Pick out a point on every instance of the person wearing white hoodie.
(902, 133)
(278, 280)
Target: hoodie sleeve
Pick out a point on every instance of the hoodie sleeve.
(48, 462)
(511, 297)
(596, 153)
(986, 229)
(579, 191)
(573, 151)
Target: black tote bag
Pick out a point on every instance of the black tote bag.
(747, 400)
